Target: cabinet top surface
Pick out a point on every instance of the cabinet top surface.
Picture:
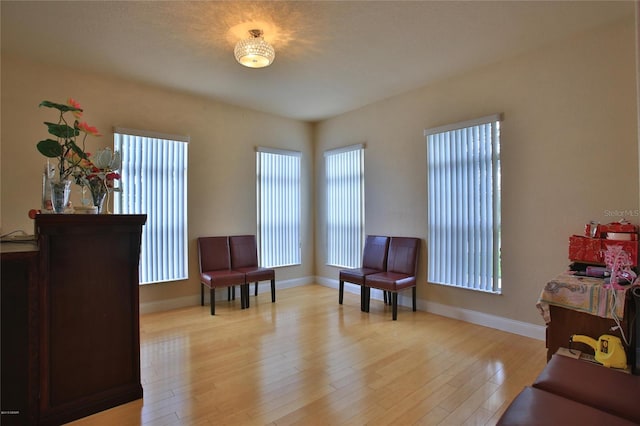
(90, 219)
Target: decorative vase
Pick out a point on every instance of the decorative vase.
(98, 192)
(60, 195)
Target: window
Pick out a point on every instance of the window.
(463, 163)
(278, 176)
(345, 205)
(154, 182)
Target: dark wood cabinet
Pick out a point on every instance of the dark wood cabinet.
(84, 341)
(89, 315)
(19, 314)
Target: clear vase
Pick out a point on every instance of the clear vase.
(60, 195)
(98, 193)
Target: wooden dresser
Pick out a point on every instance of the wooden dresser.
(87, 331)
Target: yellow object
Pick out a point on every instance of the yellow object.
(608, 349)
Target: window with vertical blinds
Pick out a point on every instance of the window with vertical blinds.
(463, 184)
(278, 181)
(344, 178)
(154, 182)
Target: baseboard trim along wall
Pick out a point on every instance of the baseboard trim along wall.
(474, 317)
(480, 318)
(187, 301)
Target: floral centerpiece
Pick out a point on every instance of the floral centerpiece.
(94, 172)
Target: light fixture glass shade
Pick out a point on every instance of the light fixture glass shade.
(254, 52)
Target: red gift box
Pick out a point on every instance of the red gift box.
(585, 249)
(591, 250)
(618, 227)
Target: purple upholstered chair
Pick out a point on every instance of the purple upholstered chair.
(374, 260)
(215, 269)
(244, 259)
(401, 271)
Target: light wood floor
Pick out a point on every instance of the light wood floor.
(306, 360)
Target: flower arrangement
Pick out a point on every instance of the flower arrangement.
(97, 172)
(64, 147)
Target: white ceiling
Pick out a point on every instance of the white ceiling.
(331, 57)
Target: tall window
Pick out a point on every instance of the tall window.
(278, 176)
(464, 204)
(154, 182)
(345, 205)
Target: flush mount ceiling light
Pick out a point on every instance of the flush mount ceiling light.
(254, 52)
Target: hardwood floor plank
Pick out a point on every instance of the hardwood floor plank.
(306, 360)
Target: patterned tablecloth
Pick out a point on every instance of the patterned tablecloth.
(583, 294)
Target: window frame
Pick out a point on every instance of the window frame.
(268, 214)
(351, 240)
(167, 247)
(437, 227)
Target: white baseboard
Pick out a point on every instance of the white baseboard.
(194, 300)
(480, 318)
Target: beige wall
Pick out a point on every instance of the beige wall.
(569, 155)
(222, 165)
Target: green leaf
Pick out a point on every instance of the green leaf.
(50, 148)
(77, 150)
(62, 130)
(59, 107)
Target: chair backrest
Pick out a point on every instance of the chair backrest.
(213, 253)
(244, 251)
(374, 255)
(403, 255)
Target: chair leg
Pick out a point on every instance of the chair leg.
(273, 291)
(341, 293)
(212, 292)
(246, 295)
(201, 294)
(367, 298)
(413, 294)
(233, 292)
(256, 290)
(394, 295)
(384, 296)
(363, 298)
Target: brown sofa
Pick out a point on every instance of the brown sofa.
(576, 392)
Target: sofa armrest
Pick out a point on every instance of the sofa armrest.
(615, 392)
(534, 406)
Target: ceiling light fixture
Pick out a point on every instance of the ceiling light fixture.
(254, 52)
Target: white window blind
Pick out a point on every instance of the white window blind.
(464, 204)
(278, 180)
(154, 182)
(344, 173)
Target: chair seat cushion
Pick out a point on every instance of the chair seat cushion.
(537, 407)
(392, 281)
(255, 273)
(222, 278)
(356, 275)
(615, 392)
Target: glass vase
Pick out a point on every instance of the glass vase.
(60, 195)
(98, 193)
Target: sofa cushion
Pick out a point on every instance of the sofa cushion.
(615, 392)
(534, 406)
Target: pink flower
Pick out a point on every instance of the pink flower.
(91, 130)
(75, 104)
